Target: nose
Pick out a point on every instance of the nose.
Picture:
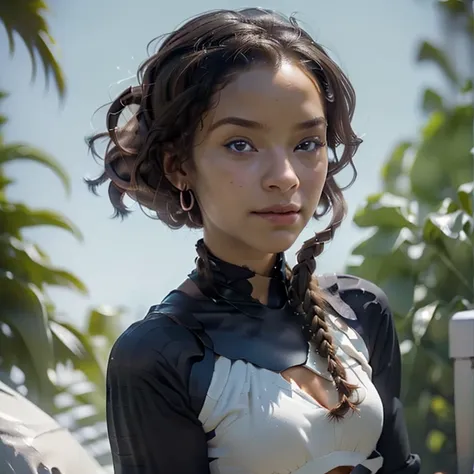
(281, 175)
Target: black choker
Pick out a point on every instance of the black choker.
(230, 282)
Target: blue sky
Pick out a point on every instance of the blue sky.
(100, 44)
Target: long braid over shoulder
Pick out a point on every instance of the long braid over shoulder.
(307, 298)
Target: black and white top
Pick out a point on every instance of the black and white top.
(196, 387)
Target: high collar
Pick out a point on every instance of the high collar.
(230, 282)
(233, 324)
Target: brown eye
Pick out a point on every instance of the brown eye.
(240, 146)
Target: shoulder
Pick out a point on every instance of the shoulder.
(161, 353)
(360, 292)
(362, 304)
(360, 295)
(157, 342)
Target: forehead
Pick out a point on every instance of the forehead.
(288, 91)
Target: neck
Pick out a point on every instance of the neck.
(260, 288)
(263, 273)
(237, 253)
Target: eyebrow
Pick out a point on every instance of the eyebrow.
(241, 122)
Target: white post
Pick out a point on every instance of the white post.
(461, 349)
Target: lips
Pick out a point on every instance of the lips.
(279, 209)
(282, 215)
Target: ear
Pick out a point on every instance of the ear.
(174, 172)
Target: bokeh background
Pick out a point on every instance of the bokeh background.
(72, 278)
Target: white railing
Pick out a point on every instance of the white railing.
(461, 349)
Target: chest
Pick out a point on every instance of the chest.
(265, 422)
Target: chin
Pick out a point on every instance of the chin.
(277, 242)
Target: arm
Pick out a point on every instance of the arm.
(374, 322)
(152, 429)
(385, 360)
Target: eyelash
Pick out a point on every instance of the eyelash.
(318, 143)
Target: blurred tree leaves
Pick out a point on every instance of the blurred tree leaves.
(57, 360)
(431, 53)
(56, 364)
(26, 18)
(420, 252)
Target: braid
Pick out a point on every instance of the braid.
(306, 298)
(203, 265)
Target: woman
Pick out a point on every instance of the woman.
(249, 366)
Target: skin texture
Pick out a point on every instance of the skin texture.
(236, 169)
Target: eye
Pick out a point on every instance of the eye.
(310, 145)
(240, 146)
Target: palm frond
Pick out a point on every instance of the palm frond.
(26, 18)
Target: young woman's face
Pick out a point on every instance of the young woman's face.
(262, 146)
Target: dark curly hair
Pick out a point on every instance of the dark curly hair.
(176, 88)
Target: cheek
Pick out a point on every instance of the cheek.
(220, 181)
(312, 181)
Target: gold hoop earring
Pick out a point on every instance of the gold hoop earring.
(186, 207)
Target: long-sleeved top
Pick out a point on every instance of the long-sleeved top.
(197, 387)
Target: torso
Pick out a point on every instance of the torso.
(267, 421)
(321, 390)
(234, 374)
(264, 422)
(318, 388)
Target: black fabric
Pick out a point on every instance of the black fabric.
(160, 368)
(152, 426)
(266, 337)
(376, 326)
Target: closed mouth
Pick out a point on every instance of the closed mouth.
(277, 213)
(279, 209)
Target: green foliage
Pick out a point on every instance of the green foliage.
(26, 18)
(429, 52)
(80, 387)
(59, 366)
(20, 151)
(420, 252)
